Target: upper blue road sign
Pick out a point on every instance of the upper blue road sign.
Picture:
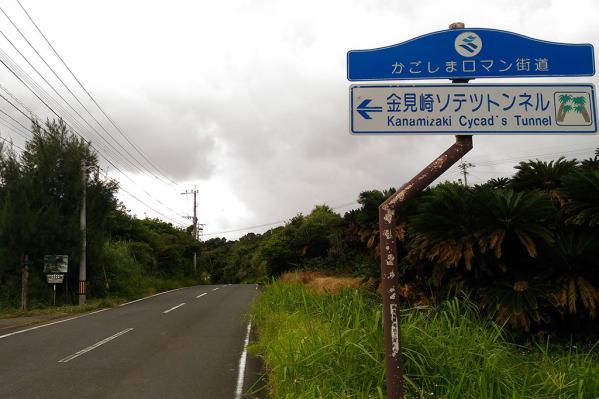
(471, 53)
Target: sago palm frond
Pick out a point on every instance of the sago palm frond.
(581, 192)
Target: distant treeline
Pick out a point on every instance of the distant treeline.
(524, 248)
(40, 198)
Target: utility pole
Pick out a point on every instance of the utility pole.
(195, 222)
(24, 281)
(82, 289)
(464, 167)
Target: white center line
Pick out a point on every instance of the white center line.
(215, 289)
(151, 296)
(173, 308)
(201, 295)
(242, 360)
(94, 346)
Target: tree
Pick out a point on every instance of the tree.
(484, 240)
(498, 182)
(42, 193)
(541, 175)
(581, 193)
(591, 163)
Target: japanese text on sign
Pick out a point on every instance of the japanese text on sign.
(473, 109)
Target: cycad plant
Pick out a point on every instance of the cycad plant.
(491, 239)
(575, 287)
(581, 193)
(542, 175)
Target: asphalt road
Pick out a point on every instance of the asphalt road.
(187, 343)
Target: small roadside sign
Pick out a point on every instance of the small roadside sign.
(473, 109)
(56, 263)
(55, 278)
(468, 54)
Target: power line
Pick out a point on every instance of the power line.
(11, 95)
(151, 208)
(107, 160)
(527, 157)
(14, 68)
(72, 94)
(122, 133)
(271, 223)
(22, 76)
(11, 143)
(452, 174)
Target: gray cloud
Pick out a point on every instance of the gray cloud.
(249, 100)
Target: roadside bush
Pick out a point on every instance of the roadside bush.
(123, 273)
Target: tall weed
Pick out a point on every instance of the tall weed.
(331, 346)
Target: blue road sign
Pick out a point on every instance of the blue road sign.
(471, 53)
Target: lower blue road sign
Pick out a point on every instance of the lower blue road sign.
(473, 109)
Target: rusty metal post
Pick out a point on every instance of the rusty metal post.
(388, 252)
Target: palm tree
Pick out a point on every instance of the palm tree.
(563, 99)
(488, 239)
(364, 222)
(581, 192)
(575, 284)
(455, 224)
(542, 175)
(442, 229)
(580, 107)
(498, 182)
(590, 163)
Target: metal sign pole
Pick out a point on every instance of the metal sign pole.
(388, 251)
(54, 299)
(409, 109)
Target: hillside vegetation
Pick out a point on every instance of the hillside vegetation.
(524, 249)
(40, 197)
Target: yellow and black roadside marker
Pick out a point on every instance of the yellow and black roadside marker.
(82, 287)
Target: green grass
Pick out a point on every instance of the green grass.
(63, 310)
(331, 346)
(51, 312)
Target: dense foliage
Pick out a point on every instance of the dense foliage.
(524, 248)
(332, 346)
(40, 198)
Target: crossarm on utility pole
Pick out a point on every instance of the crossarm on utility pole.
(388, 251)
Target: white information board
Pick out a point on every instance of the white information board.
(473, 109)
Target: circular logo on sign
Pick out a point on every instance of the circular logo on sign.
(468, 44)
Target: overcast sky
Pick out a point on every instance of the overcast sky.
(248, 99)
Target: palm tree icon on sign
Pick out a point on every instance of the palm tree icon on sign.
(573, 109)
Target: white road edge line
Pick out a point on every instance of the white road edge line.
(51, 324)
(173, 308)
(242, 360)
(201, 295)
(151, 296)
(94, 346)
